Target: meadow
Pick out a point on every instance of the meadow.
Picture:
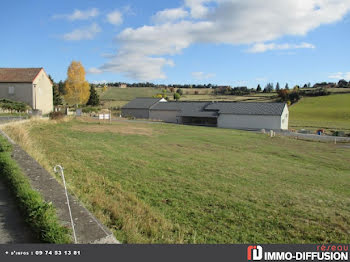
(327, 112)
(164, 183)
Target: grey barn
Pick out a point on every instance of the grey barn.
(236, 115)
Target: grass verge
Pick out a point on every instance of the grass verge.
(40, 215)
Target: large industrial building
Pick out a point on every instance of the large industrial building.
(235, 115)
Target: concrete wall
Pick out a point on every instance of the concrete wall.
(22, 92)
(137, 113)
(163, 115)
(249, 121)
(42, 93)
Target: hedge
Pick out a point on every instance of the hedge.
(39, 215)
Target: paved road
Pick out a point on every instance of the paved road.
(13, 230)
(316, 137)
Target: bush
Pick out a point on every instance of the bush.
(322, 91)
(10, 105)
(40, 215)
(90, 109)
(179, 91)
(177, 96)
(56, 115)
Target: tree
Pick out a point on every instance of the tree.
(287, 87)
(342, 83)
(268, 88)
(258, 89)
(94, 99)
(61, 88)
(76, 87)
(179, 91)
(177, 96)
(278, 87)
(57, 99)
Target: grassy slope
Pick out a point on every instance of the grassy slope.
(127, 94)
(330, 112)
(171, 183)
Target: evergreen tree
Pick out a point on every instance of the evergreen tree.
(258, 89)
(61, 88)
(278, 87)
(57, 99)
(287, 87)
(94, 99)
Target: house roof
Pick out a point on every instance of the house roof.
(18, 75)
(247, 108)
(141, 103)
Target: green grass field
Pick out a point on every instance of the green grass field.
(128, 94)
(163, 183)
(328, 112)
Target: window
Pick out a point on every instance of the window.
(11, 90)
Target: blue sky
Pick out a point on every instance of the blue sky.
(225, 42)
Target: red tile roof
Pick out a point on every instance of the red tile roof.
(18, 75)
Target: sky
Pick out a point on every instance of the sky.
(223, 42)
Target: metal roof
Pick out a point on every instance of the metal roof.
(207, 109)
(18, 75)
(247, 108)
(208, 114)
(167, 106)
(141, 103)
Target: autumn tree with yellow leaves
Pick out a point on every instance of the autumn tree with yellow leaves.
(76, 87)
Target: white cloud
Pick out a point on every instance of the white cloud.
(198, 8)
(138, 66)
(144, 51)
(169, 15)
(94, 70)
(97, 82)
(340, 75)
(202, 75)
(86, 33)
(115, 17)
(262, 47)
(79, 15)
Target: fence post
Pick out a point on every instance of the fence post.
(65, 189)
